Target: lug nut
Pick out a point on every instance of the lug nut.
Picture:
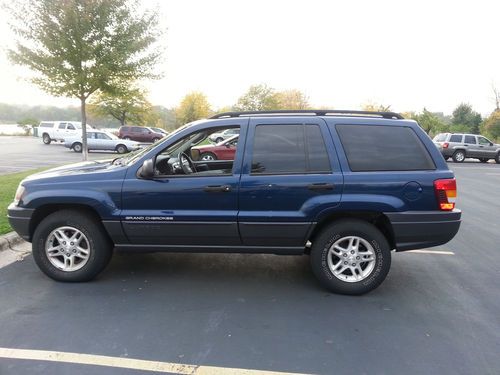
(345, 262)
(72, 243)
(64, 242)
(74, 250)
(354, 264)
(352, 251)
(345, 254)
(357, 257)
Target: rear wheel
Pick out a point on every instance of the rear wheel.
(121, 149)
(77, 147)
(71, 246)
(350, 257)
(208, 156)
(46, 139)
(497, 158)
(459, 156)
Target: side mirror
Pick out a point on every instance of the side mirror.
(147, 170)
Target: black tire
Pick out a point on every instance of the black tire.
(121, 149)
(483, 160)
(337, 231)
(46, 139)
(100, 247)
(219, 140)
(77, 147)
(497, 158)
(155, 140)
(207, 156)
(459, 156)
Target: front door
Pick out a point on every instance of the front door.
(288, 178)
(194, 205)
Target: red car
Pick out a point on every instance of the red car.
(224, 150)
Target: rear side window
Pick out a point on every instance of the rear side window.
(62, 125)
(383, 148)
(456, 138)
(46, 124)
(282, 149)
(470, 139)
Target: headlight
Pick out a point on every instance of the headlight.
(19, 194)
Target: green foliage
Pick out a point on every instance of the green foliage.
(430, 122)
(27, 124)
(129, 106)
(292, 99)
(491, 126)
(193, 107)
(9, 183)
(78, 47)
(375, 107)
(465, 118)
(258, 98)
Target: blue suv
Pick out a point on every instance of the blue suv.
(345, 187)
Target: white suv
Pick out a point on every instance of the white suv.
(59, 130)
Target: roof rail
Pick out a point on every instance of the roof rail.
(317, 112)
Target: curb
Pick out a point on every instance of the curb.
(8, 240)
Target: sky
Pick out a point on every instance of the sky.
(407, 54)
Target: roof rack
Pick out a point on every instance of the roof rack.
(317, 112)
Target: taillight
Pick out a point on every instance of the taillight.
(446, 193)
(445, 145)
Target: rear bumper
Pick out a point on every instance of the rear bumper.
(19, 220)
(417, 230)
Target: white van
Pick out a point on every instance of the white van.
(59, 130)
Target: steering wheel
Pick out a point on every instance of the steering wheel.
(187, 164)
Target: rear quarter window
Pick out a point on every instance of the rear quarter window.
(456, 138)
(383, 148)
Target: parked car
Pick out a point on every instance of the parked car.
(99, 140)
(59, 130)
(220, 136)
(224, 150)
(139, 134)
(159, 130)
(462, 146)
(354, 186)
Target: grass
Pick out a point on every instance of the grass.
(8, 186)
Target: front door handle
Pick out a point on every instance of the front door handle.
(217, 188)
(321, 186)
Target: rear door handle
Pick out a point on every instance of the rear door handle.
(217, 188)
(321, 186)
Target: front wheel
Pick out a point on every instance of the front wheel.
(459, 156)
(121, 149)
(207, 156)
(497, 158)
(350, 257)
(155, 140)
(77, 147)
(46, 139)
(71, 246)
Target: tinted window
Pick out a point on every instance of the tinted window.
(46, 124)
(62, 125)
(281, 149)
(383, 148)
(135, 129)
(483, 141)
(456, 138)
(71, 127)
(102, 136)
(470, 139)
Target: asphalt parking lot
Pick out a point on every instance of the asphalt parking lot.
(19, 154)
(438, 312)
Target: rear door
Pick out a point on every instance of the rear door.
(288, 178)
(471, 146)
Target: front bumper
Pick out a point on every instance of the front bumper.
(19, 220)
(421, 229)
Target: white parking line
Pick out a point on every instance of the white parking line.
(431, 252)
(129, 363)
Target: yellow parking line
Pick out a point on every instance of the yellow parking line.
(431, 252)
(128, 363)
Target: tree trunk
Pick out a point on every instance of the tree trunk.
(84, 129)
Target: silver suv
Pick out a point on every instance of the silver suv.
(461, 146)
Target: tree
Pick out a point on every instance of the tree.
(127, 106)
(78, 47)
(292, 99)
(464, 117)
(370, 106)
(491, 125)
(496, 98)
(193, 107)
(27, 124)
(258, 98)
(430, 122)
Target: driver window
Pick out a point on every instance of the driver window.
(483, 141)
(201, 153)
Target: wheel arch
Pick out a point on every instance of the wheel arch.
(378, 219)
